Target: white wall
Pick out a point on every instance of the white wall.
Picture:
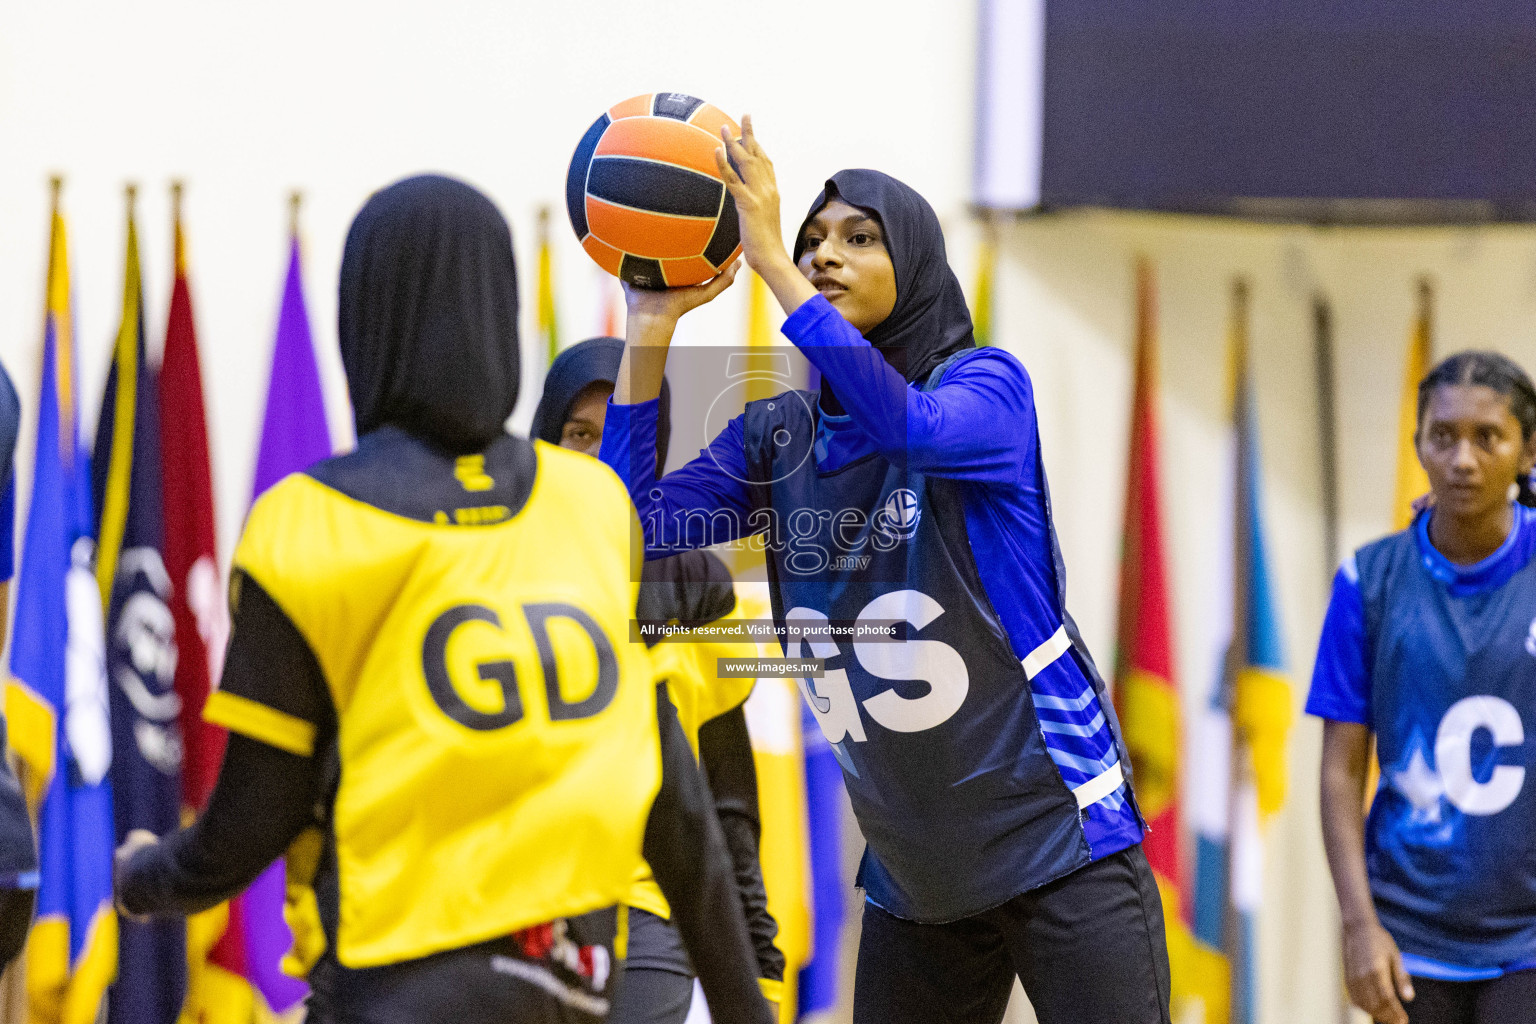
(340, 98)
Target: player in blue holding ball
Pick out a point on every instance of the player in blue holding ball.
(980, 753)
(1430, 645)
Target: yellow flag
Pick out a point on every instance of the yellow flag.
(1411, 481)
(549, 324)
(981, 296)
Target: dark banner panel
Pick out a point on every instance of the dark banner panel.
(1415, 110)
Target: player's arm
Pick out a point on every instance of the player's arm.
(713, 483)
(1373, 967)
(1340, 695)
(952, 431)
(725, 752)
(273, 699)
(689, 859)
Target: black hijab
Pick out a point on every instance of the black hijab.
(581, 365)
(931, 321)
(427, 314)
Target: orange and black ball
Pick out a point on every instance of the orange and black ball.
(644, 194)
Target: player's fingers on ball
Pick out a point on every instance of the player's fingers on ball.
(717, 284)
(738, 153)
(727, 172)
(749, 138)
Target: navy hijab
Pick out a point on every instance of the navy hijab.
(583, 364)
(427, 314)
(931, 320)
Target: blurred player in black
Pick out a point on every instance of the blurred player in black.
(18, 853)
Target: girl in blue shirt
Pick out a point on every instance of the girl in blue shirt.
(1430, 645)
(980, 752)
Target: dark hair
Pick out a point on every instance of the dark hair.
(1495, 371)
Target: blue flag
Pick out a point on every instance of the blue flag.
(1240, 739)
(134, 590)
(58, 705)
(824, 806)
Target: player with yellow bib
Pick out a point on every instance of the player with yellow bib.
(419, 652)
(684, 592)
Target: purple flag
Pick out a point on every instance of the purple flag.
(294, 436)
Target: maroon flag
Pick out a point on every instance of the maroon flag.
(191, 559)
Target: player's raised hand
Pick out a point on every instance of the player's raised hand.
(746, 170)
(1374, 973)
(748, 173)
(666, 305)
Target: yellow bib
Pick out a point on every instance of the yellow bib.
(497, 729)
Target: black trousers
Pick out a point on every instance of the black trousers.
(1507, 1000)
(1089, 949)
(657, 984)
(526, 978)
(651, 996)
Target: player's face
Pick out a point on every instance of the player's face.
(1471, 448)
(846, 259)
(583, 430)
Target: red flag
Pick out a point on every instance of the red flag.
(191, 559)
(1146, 690)
(1146, 695)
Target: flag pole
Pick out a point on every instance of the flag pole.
(1322, 331)
(179, 255)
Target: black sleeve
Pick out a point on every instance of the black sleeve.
(725, 750)
(269, 661)
(691, 587)
(16, 908)
(264, 797)
(688, 856)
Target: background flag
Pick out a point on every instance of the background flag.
(57, 703)
(198, 595)
(1411, 481)
(982, 299)
(824, 810)
(294, 432)
(1146, 691)
(549, 323)
(198, 602)
(141, 646)
(294, 436)
(1240, 767)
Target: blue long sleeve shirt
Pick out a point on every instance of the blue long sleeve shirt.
(977, 427)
